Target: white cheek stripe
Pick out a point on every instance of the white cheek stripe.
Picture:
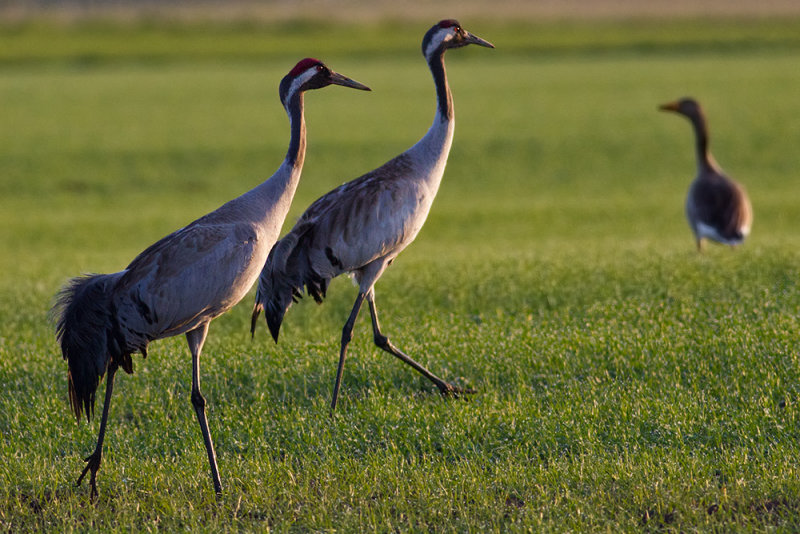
(301, 79)
(444, 34)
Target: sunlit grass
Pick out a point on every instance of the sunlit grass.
(623, 381)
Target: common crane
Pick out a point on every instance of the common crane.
(182, 282)
(361, 226)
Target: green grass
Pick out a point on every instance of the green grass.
(624, 382)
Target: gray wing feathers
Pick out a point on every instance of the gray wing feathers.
(350, 227)
(187, 278)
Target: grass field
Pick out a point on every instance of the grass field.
(624, 382)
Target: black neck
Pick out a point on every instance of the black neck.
(297, 144)
(701, 139)
(444, 100)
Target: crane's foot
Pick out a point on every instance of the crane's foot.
(452, 391)
(93, 465)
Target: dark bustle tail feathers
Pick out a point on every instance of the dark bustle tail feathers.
(274, 302)
(281, 283)
(85, 330)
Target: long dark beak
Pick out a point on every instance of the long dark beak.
(474, 39)
(669, 106)
(338, 79)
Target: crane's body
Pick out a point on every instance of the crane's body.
(717, 207)
(199, 272)
(361, 226)
(182, 282)
(364, 224)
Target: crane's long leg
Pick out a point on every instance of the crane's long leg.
(383, 342)
(93, 460)
(196, 338)
(347, 335)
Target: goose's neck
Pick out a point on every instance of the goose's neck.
(704, 159)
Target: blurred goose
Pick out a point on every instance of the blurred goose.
(717, 207)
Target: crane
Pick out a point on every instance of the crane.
(181, 283)
(361, 226)
(717, 207)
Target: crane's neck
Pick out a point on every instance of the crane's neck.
(267, 205)
(276, 194)
(444, 99)
(430, 153)
(705, 161)
(296, 154)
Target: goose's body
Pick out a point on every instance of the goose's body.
(181, 283)
(717, 207)
(360, 227)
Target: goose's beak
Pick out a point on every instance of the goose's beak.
(669, 106)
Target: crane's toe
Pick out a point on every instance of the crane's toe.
(453, 391)
(92, 464)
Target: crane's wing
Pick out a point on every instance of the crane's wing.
(186, 278)
(360, 221)
(371, 217)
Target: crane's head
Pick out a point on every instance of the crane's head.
(447, 34)
(310, 73)
(687, 107)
